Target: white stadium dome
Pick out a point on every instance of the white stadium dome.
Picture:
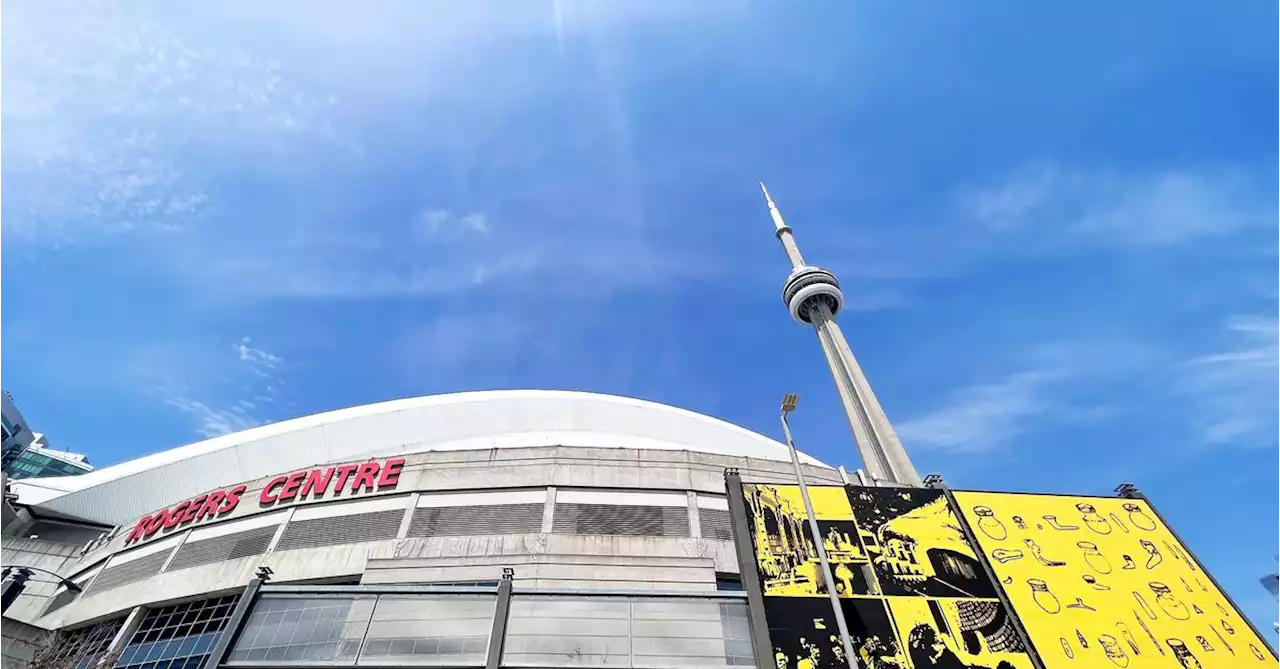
(451, 422)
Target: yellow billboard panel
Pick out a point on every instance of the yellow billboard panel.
(1101, 582)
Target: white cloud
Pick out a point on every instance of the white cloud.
(1234, 391)
(1163, 208)
(981, 417)
(1045, 390)
(99, 100)
(240, 399)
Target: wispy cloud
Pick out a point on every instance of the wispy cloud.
(100, 100)
(1164, 208)
(1234, 390)
(242, 399)
(984, 416)
(1049, 386)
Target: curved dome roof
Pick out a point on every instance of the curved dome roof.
(457, 421)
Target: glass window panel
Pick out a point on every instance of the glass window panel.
(450, 630)
(278, 631)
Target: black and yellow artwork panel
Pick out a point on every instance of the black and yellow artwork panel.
(915, 544)
(782, 542)
(1101, 582)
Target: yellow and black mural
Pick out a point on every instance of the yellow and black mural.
(1101, 582)
(912, 589)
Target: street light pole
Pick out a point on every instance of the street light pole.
(789, 402)
(16, 582)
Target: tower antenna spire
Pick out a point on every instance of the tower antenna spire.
(813, 296)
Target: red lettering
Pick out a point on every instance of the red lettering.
(343, 472)
(391, 472)
(317, 481)
(269, 495)
(139, 530)
(365, 476)
(210, 506)
(290, 489)
(232, 499)
(192, 507)
(157, 522)
(174, 516)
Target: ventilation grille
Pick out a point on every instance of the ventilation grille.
(715, 524)
(476, 520)
(134, 570)
(628, 519)
(226, 547)
(341, 530)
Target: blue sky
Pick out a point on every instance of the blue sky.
(1056, 225)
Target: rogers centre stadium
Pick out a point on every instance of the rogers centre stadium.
(505, 528)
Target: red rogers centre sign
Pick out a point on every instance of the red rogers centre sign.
(286, 488)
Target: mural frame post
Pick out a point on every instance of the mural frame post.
(936, 482)
(761, 646)
(1130, 491)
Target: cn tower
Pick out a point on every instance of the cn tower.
(814, 298)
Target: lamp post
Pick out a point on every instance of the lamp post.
(16, 581)
(789, 403)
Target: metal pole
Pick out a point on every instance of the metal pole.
(238, 617)
(822, 551)
(748, 570)
(501, 615)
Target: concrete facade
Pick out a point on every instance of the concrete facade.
(602, 517)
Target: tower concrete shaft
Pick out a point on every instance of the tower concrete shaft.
(814, 298)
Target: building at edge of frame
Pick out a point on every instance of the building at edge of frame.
(571, 491)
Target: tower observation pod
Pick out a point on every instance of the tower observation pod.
(813, 296)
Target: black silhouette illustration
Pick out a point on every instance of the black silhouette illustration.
(1226, 627)
(803, 632)
(906, 544)
(1197, 609)
(1128, 638)
(1146, 629)
(1084, 643)
(1113, 650)
(1128, 562)
(1153, 554)
(1093, 582)
(1146, 608)
(916, 545)
(1080, 605)
(989, 525)
(1257, 652)
(1183, 654)
(1047, 601)
(1053, 522)
(1204, 643)
(1094, 558)
(1003, 555)
(1038, 553)
(1019, 522)
(954, 633)
(1092, 519)
(1119, 523)
(1139, 518)
(786, 556)
(1171, 605)
(1066, 648)
(1185, 585)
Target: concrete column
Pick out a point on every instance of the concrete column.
(408, 516)
(695, 521)
(548, 511)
